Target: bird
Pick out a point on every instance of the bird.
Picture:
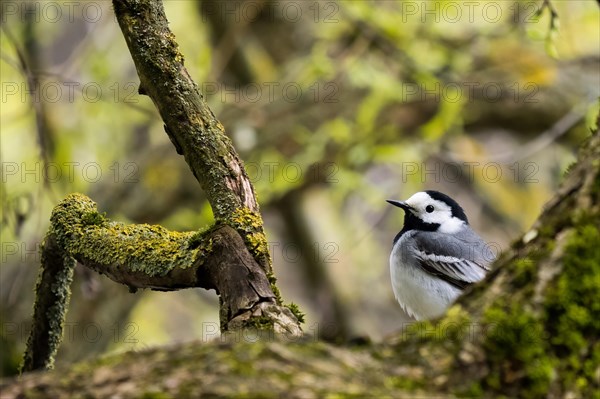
(436, 255)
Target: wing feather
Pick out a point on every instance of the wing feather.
(458, 260)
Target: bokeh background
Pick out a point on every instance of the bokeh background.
(334, 106)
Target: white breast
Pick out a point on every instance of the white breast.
(420, 294)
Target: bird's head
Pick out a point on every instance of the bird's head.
(433, 211)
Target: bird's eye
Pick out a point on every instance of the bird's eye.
(429, 208)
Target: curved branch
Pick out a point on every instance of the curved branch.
(146, 256)
(192, 127)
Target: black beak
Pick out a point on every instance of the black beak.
(400, 204)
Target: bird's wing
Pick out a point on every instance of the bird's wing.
(459, 259)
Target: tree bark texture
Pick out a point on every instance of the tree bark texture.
(190, 124)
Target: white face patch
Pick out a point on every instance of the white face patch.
(433, 211)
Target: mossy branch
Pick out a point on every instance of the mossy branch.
(52, 298)
(145, 256)
(191, 125)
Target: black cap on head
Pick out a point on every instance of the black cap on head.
(457, 211)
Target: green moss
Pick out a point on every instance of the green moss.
(448, 332)
(516, 347)
(261, 323)
(152, 250)
(197, 239)
(93, 218)
(155, 395)
(81, 232)
(525, 270)
(556, 345)
(295, 309)
(250, 226)
(473, 391)
(572, 307)
(411, 384)
(53, 291)
(569, 169)
(245, 355)
(273, 283)
(61, 288)
(595, 189)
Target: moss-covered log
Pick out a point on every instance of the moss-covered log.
(530, 330)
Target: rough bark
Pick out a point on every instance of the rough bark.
(190, 124)
(528, 330)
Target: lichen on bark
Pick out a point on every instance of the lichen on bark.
(191, 125)
(147, 256)
(53, 291)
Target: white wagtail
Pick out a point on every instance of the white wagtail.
(436, 255)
